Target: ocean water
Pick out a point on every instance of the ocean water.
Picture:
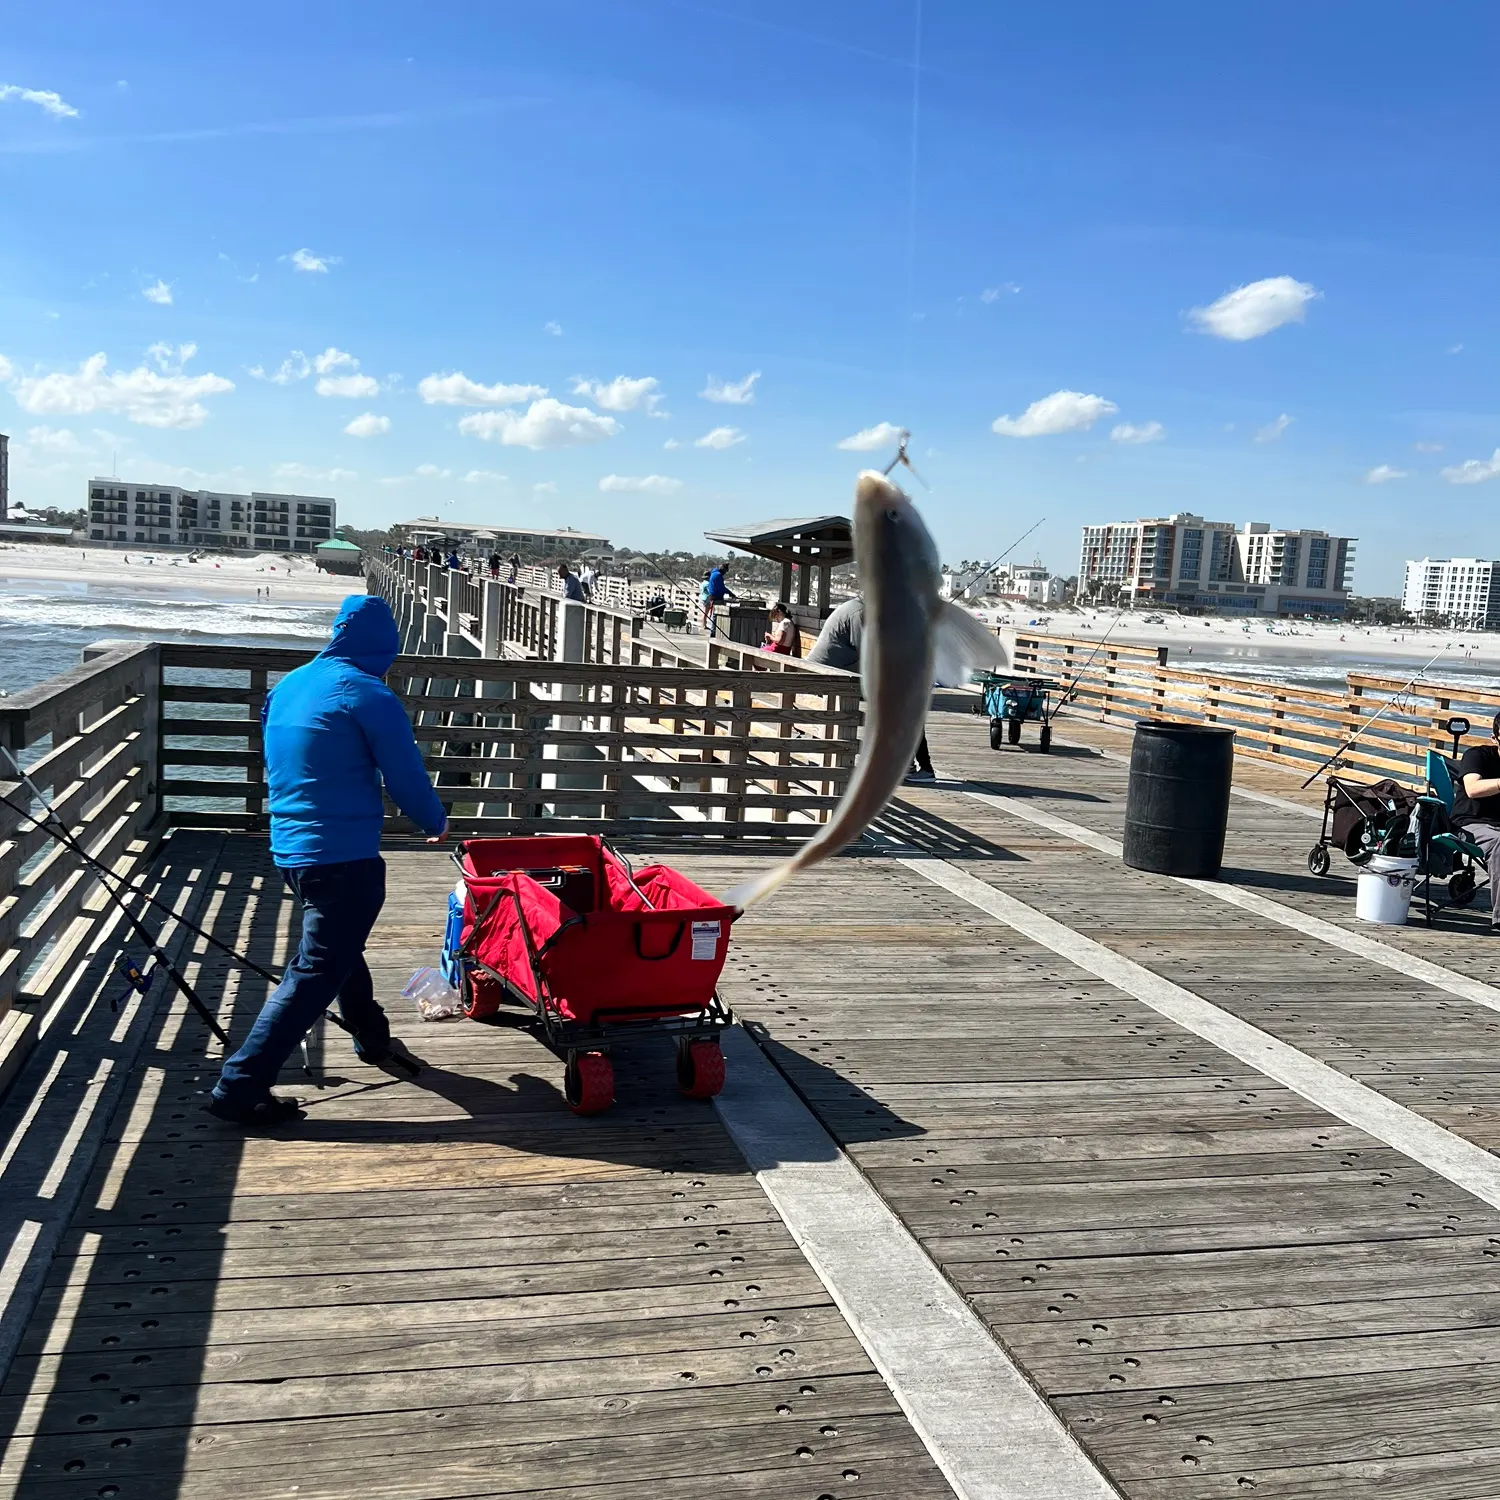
(45, 626)
(1266, 664)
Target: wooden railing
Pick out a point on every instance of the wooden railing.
(520, 746)
(88, 739)
(1284, 723)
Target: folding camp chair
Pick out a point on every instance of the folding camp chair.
(1442, 847)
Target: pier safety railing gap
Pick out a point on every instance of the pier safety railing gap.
(1285, 724)
(533, 714)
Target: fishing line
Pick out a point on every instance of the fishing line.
(117, 892)
(1397, 697)
(989, 567)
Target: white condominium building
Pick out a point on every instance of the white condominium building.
(164, 514)
(1184, 560)
(1462, 590)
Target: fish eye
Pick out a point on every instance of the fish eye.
(891, 513)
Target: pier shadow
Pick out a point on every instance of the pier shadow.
(924, 832)
(124, 1332)
(1025, 792)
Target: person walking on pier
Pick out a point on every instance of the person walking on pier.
(333, 733)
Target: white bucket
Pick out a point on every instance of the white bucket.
(1385, 887)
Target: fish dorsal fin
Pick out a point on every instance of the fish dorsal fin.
(964, 643)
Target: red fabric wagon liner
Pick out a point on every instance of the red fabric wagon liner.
(648, 944)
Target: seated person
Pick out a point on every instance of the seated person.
(1476, 807)
(783, 637)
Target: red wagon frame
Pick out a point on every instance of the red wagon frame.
(583, 1040)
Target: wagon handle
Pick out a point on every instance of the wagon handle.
(653, 958)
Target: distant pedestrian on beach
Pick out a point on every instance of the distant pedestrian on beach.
(494, 565)
(515, 566)
(571, 587)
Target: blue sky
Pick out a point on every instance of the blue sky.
(353, 200)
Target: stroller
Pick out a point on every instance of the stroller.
(560, 925)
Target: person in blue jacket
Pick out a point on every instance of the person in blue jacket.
(333, 732)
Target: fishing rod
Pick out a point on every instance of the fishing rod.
(1082, 672)
(139, 981)
(990, 567)
(1389, 703)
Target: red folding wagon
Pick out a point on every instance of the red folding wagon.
(561, 925)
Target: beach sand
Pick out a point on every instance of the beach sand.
(1215, 639)
(291, 580)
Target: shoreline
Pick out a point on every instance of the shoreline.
(291, 580)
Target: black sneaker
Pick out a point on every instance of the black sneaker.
(920, 778)
(272, 1111)
(394, 1058)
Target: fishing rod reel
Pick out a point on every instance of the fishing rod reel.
(902, 459)
(137, 979)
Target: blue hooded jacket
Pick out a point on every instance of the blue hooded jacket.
(332, 731)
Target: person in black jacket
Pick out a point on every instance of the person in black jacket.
(1476, 807)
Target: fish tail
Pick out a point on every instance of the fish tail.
(748, 892)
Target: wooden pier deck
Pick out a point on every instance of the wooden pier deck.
(1212, 1165)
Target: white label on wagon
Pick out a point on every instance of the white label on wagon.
(705, 939)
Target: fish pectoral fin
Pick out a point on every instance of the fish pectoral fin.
(964, 643)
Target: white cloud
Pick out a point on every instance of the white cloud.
(553, 327)
(546, 487)
(1272, 431)
(1427, 447)
(485, 476)
(647, 484)
(1062, 411)
(458, 390)
(1473, 470)
(53, 440)
(623, 393)
(333, 358)
(294, 367)
(159, 292)
(720, 438)
(432, 471)
(731, 392)
(671, 444)
(319, 476)
(1250, 311)
(994, 293)
(163, 397)
(881, 435)
(547, 423)
(1455, 349)
(305, 260)
(367, 425)
(355, 386)
(1384, 473)
(6, 369)
(45, 98)
(1129, 432)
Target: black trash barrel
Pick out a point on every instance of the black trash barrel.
(1177, 803)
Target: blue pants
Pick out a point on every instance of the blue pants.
(339, 906)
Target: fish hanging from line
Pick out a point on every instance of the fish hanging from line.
(912, 638)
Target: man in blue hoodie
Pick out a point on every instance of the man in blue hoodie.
(333, 732)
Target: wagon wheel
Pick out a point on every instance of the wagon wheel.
(1317, 859)
(1044, 739)
(700, 1069)
(1013, 731)
(479, 996)
(997, 733)
(589, 1083)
